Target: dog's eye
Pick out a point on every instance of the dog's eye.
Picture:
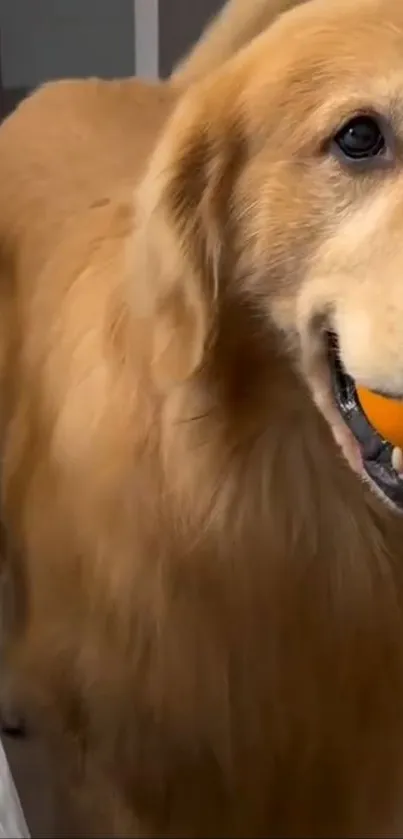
(361, 138)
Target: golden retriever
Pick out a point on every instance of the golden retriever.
(211, 597)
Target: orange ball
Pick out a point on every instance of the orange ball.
(385, 415)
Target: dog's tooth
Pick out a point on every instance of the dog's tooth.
(397, 459)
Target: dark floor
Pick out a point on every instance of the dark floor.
(32, 778)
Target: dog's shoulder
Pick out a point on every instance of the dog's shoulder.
(86, 123)
(70, 144)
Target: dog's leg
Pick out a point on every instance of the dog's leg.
(89, 802)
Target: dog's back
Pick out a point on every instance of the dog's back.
(87, 140)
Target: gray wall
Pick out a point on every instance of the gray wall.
(48, 39)
(180, 23)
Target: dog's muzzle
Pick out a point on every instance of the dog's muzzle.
(376, 452)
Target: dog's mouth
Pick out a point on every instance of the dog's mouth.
(365, 449)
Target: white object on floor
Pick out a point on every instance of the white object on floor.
(12, 821)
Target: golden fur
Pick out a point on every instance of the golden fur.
(212, 614)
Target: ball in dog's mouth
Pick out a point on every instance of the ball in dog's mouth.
(382, 462)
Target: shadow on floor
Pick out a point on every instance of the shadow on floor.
(32, 777)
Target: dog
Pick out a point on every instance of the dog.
(210, 589)
(119, 104)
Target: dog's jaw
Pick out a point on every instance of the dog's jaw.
(316, 372)
(374, 460)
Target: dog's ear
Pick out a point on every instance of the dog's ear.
(235, 26)
(184, 212)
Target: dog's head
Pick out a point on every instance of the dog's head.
(280, 181)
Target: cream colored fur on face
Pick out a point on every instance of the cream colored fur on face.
(359, 327)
